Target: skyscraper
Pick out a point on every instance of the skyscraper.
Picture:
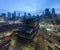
(29, 14)
(53, 11)
(3, 15)
(54, 16)
(24, 15)
(47, 13)
(9, 15)
(18, 16)
(14, 15)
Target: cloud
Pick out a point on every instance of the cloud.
(28, 5)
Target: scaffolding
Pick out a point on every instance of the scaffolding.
(29, 28)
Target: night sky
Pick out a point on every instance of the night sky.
(29, 5)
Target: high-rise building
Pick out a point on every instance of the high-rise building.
(3, 15)
(58, 18)
(43, 17)
(24, 15)
(29, 14)
(14, 15)
(18, 16)
(54, 16)
(9, 15)
(47, 13)
(53, 11)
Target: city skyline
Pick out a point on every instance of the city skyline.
(29, 5)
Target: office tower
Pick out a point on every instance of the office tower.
(54, 16)
(3, 15)
(43, 17)
(18, 16)
(29, 14)
(24, 15)
(47, 16)
(14, 15)
(53, 11)
(47, 13)
(9, 15)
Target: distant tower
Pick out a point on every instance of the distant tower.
(53, 11)
(47, 15)
(29, 14)
(46, 11)
(24, 15)
(54, 15)
(43, 16)
(9, 15)
(18, 17)
(3, 15)
(19, 14)
(14, 15)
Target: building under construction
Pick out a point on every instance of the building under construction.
(28, 28)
